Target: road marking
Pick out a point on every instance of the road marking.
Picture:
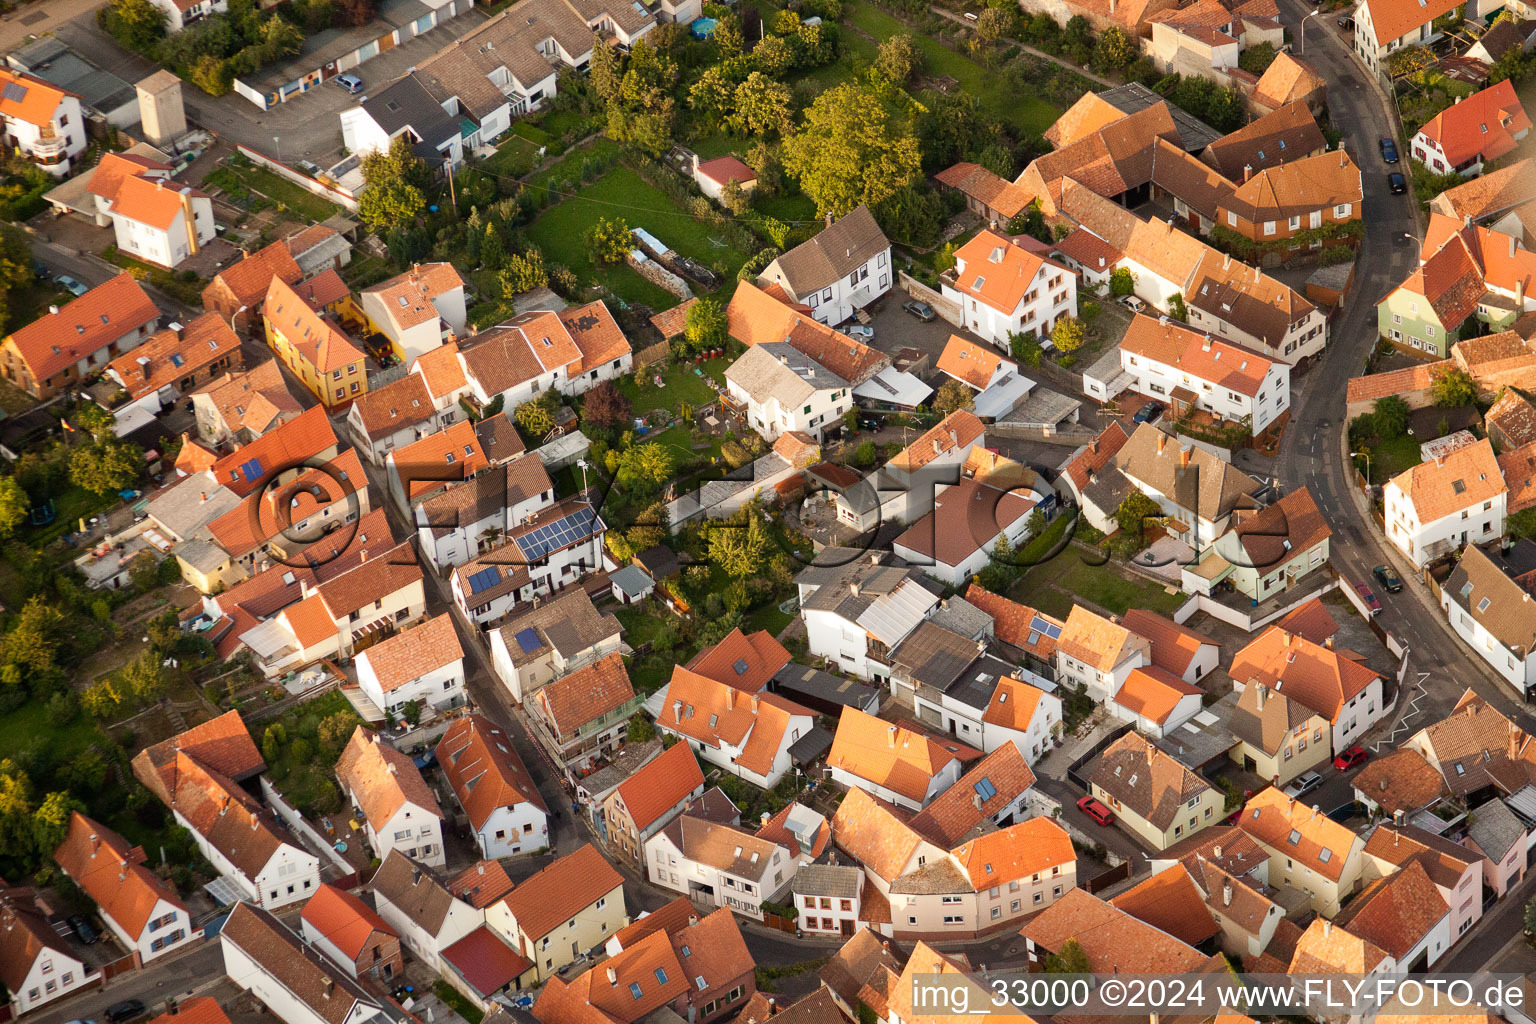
(1413, 710)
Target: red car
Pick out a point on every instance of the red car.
(1095, 810)
(1351, 757)
(1369, 598)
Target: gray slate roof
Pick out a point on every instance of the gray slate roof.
(778, 370)
(1495, 829)
(841, 881)
(834, 253)
(407, 103)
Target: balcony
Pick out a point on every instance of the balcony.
(53, 146)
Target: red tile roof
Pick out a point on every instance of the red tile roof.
(248, 278)
(661, 785)
(1485, 123)
(344, 919)
(587, 694)
(484, 960)
(250, 467)
(887, 754)
(409, 655)
(474, 749)
(549, 898)
(1173, 646)
(1317, 677)
(83, 327)
(113, 874)
(382, 779)
(744, 661)
(717, 714)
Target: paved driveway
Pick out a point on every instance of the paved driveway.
(896, 330)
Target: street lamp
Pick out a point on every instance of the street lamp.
(279, 143)
(1301, 42)
(1418, 242)
(1366, 455)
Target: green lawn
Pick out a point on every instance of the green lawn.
(1052, 586)
(1389, 458)
(516, 156)
(30, 721)
(280, 190)
(767, 617)
(69, 506)
(681, 384)
(560, 229)
(1029, 114)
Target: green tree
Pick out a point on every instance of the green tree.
(271, 747)
(105, 466)
(137, 24)
(143, 677)
(1134, 511)
(1256, 59)
(1177, 309)
(86, 773)
(609, 241)
(94, 420)
(1000, 571)
(1026, 348)
(865, 454)
(1070, 959)
(727, 36)
(1453, 387)
(1390, 415)
(997, 23)
(51, 821)
(706, 325)
(13, 506)
(852, 150)
(101, 699)
(335, 729)
(1068, 334)
(144, 572)
(762, 107)
(773, 55)
(397, 182)
(649, 529)
(640, 729)
(412, 712)
(1115, 51)
(523, 272)
(953, 395)
(712, 95)
(899, 58)
(1121, 282)
(535, 418)
(643, 467)
(739, 544)
(33, 640)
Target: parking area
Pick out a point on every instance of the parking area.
(307, 127)
(896, 329)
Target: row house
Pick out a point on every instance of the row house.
(416, 311)
(1457, 498)
(171, 363)
(468, 94)
(44, 122)
(1265, 552)
(141, 909)
(461, 522)
(697, 969)
(780, 389)
(857, 610)
(650, 800)
(238, 290)
(419, 907)
(264, 957)
(583, 718)
(554, 638)
(1494, 614)
(398, 808)
(422, 665)
(310, 343)
(715, 864)
(520, 359)
(1473, 131)
(1152, 794)
(566, 909)
(1348, 696)
(895, 763)
(1455, 871)
(494, 788)
(198, 775)
(436, 463)
(74, 341)
(442, 369)
(1383, 27)
(351, 934)
(1307, 851)
(829, 899)
(844, 267)
(746, 733)
(1026, 637)
(1112, 939)
(1003, 288)
(342, 616)
(237, 408)
(153, 218)
(980, 886)
(548, 552)
(1190, 370)
(394, 416)
(1209, 35)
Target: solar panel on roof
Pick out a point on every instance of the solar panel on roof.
(528, 640)
(251, 470)
(985, 789)
(484, 579)
(566, 530)
(1046, 627)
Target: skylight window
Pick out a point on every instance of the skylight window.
(634, 989)
(661, 975)
(1294, 838)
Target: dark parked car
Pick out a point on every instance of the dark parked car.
(1095, 810)
(1148, 412)
(83, 930)
(1369, 598)
(1352, 756)
(127, 1010)
(1388, 577)
(921, 310)
(1397, 183)
(1388, 150)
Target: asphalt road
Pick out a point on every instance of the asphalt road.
(176, 978)
(1314, 449)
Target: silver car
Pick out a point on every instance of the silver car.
(1303, 784)
(859, 331)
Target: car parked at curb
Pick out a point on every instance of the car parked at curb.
(1397, 183)
(120, 1013)
(1388, 149)
(859, 331)
(1371, 600)
(70, 285)
(1096, 810)
(1388, 577)
(1352, 756)
(1302, 784)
